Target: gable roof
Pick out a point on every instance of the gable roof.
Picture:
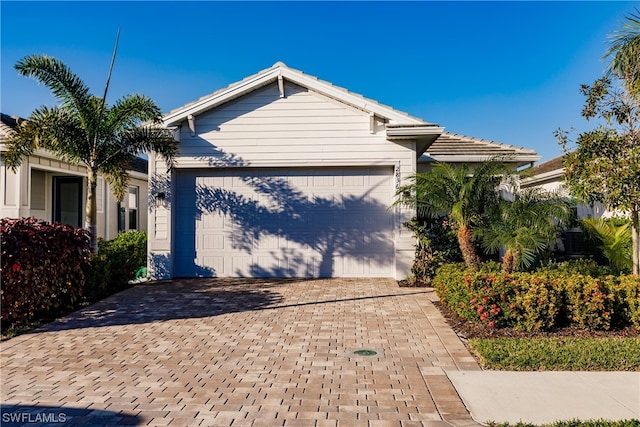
(280, 71)
(451, 147)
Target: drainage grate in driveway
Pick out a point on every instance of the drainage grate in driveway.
(365, 352)
(374, 353)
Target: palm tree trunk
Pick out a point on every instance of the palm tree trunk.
(508, 261)
(91, 209)
(467, 248)
(635, 241)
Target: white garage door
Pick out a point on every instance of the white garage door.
(326, 222)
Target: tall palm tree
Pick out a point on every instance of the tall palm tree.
(524, 226)
(624, 50)
(84, 130)
(465, 194)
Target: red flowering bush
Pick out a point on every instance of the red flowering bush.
(541, 300)
(42, 269)
(589, 301)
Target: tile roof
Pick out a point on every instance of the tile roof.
(451, 144)
(556, 163)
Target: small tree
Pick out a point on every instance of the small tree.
(84, 130)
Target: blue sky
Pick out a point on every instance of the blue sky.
(504, 71)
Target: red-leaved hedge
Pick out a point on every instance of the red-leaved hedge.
(42, 269)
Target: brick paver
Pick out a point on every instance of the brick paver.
(231, 352)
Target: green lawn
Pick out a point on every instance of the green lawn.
(559, 354)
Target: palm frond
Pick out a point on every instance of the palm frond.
(130, 111)
(54, 129)
(57, 77)
(615, 241)
(624, 51)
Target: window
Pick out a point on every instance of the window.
(128, 211)
(133, 208)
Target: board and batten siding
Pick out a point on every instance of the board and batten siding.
(260, 129)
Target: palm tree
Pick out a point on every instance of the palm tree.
(84, 130)
(615, 241)
(524, 226)
(464, 194)
(624, 50)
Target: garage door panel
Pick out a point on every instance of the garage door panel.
(295, 222)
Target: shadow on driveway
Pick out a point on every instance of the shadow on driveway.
(179, 299)
(30, 415)
(192, 299)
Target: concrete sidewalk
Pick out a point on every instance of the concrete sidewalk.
(545, 397)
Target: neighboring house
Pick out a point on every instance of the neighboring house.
(47, 188)
(549, 176)
(285, 175)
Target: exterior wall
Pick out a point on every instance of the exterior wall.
(29, 193)
(556, 185)
(260, 129)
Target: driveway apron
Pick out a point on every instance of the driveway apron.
(241, 352)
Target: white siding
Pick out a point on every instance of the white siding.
(261, 130)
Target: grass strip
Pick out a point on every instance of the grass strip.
(576, 423)
(559, 354)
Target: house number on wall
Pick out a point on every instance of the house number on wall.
(397, 174)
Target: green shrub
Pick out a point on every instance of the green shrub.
(589, 301)
(627, 301)
(537, 304)
(583, 266)
(542, 300)
(436, 245)
(42, 269)
(115, 264)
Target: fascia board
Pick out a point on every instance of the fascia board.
(547, 176)
(414, 131)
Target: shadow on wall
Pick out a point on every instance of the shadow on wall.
(272, 206)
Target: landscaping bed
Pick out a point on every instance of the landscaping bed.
(567, 348)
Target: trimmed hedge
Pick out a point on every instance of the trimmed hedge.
(42, 269)
(570, 295)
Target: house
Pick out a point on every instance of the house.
(50, 189)
(549, 176)
(285, 175)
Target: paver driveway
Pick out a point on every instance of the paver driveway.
(241, 353)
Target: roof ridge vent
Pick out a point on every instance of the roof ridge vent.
(280, 64)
